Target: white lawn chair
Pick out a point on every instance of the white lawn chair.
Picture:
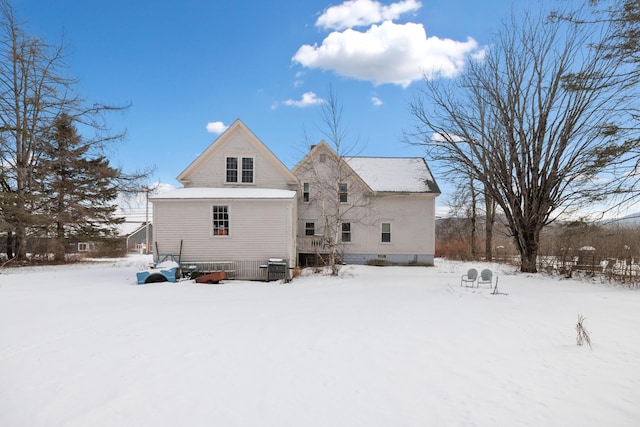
(470, 277)
(486, 277)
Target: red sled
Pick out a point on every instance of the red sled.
(214, 277)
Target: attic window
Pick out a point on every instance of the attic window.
(323, 157)
(247, 170)
(232, 169)
(246, 174)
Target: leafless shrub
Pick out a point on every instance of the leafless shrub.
(583, 334)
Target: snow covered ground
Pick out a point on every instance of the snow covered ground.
(84, 345)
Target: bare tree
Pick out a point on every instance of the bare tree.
(35, 89)
(621, 42)
(534, 121)
(335, 192)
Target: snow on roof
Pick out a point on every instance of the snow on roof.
(394, 174)
(127, 228)
(225, 193)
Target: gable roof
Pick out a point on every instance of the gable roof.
(323, 146)
(221, 141)
(384, 174)
(127, 228)
(395, 174)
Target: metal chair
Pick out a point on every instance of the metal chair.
(470, 277)
(486, 277)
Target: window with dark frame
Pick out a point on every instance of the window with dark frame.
(342, 192)
(309, 228)
(346, 232)
(220, 220)
(305, 192)
(386, 233)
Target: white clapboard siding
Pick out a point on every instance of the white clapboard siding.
(257, 231)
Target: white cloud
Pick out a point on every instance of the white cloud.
(376, 101)
(438, 137)
(359, 13)
(216, 127)
(388, 53)
(308, 99)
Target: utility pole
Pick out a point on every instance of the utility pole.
(146, 227)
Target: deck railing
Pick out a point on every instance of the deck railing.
(312, 244)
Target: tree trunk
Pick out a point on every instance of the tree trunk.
(488, 243)
(59, 247)
(527, 244)
(20, 243)
(490, 208)
(9, 244)
(474, 219)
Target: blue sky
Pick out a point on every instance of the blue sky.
(191, 67)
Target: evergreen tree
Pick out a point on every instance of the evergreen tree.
(78, 189)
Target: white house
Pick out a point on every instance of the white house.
(238, 206)
(370, 209)
(241, 206)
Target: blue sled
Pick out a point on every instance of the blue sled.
(158, 274)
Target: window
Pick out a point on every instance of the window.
(247, 170)
(83, 247)
(346, 232)
(246, 173)
(323, 157)
(386, 233)
(309, 228)
(305, 192)
(232, 169)
(342, 192)
(220, 220)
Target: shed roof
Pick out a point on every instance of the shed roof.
(395, 174)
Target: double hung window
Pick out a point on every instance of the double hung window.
(220, 220)
(240, 169)
(305, 192)
(385, 236)
(342, 192)
(309, 228)
(346, 232)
